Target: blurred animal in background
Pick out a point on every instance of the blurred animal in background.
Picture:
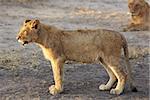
(140, 15)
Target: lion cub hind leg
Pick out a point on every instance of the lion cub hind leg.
(121, 76)
(111, 81)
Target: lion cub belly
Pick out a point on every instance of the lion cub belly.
(86, 54)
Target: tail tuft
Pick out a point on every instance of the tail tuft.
(134, 89)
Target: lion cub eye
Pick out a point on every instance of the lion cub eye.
(137, 6)
(130, 5)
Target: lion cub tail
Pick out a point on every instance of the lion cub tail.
(129, 76)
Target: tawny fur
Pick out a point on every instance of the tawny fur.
(140, 15)
(88, 46)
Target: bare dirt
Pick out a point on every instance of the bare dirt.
(26, 75)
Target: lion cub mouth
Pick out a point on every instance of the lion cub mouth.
(23, 42)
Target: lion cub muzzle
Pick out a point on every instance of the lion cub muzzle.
(22, 42)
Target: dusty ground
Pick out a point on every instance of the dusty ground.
(26, 75)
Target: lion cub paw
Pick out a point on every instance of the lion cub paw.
(103, 87)
(115, 91)
(54, 91)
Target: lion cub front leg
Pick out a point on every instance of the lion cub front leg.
(57, 67)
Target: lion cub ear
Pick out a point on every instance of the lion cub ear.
(27, 20)
(35, 24)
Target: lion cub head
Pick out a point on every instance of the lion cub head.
(29, 31)
(137, 7)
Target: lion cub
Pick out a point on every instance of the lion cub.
(88, 46)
